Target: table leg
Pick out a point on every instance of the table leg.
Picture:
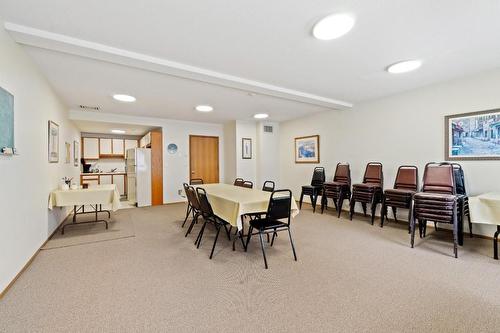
(495, 243)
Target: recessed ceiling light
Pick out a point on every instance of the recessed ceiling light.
(333, 26)
(124, 98)
(117, 131)
(204, 108)
(260, 116)
(404, 66)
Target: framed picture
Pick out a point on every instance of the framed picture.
(53, 142)
(246, 148)
(67, 145)
(473, 136)
(307, 149)
(76, 153)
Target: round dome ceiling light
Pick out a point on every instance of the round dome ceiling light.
(333, 26)
(404, 66)
(204, 108)
(261, 116)
(124, 98)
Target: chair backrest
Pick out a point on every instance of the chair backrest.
(438, 178)
(247, 184)
(205, 207)
(280, 205)
(343, 173)
(374, 174)
(238, 182)
(318, 177)
(196, 181)
(458, 174)
(407, 178)
(268, 186)
(191, 196)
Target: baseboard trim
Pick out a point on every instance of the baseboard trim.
(28, 263)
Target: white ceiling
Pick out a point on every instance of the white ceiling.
(264, 41)
(105, 128)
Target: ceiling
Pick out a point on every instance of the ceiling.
(256, 46)
(105, 128)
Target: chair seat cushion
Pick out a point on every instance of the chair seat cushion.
(435, 196)
(267, 224)
(402, 192)
(336, 184)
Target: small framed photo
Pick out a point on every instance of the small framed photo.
(473, 136)
(53, 142)
(76, 153)
(67, 145)
(307, 149)
(246, 148)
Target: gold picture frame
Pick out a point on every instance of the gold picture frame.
(307, 149)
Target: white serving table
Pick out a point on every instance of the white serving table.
(95, 196)
(485, 209)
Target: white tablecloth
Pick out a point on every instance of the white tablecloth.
(99, 194)
(229, 202)
(485, 208)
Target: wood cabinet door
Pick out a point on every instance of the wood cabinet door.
(118, 147)
(129, 144)
(119, 180)
(90, 148)
(204, 158)
(105, 147)
(105, 179)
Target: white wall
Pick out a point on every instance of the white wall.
(246, 168)
(27, 179)
(268, 154)
(407, 128)
(230, 151)
(175, 166)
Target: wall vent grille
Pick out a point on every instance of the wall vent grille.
(89, 108)
(268, 129)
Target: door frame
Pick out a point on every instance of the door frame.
(218, 156)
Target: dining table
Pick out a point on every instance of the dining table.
(485, 209)
(232, 203)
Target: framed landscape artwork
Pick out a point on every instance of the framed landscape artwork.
(473, 136)
(307, 149)
(53, 142)
(76, 153)
(246, 148)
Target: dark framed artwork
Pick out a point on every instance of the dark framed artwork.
(53, 142)
(246, 148)
(473, 136)
(307, 149)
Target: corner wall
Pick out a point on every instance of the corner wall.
(407, 128)
(27, 179)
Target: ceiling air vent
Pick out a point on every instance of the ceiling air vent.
(268, 129)
(89, 108)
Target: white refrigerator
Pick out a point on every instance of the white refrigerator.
(139, 176)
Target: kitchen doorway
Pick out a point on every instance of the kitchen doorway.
(204, 158)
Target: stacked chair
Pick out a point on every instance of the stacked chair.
(339, 189)
(316, 187)
(370, 191)
(238, 182)
(193, 207)
(463, 199)
(401, 195)
(437, 202)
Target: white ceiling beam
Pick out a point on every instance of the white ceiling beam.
(66, 44)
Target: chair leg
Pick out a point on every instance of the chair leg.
(313, 202)
(495, 243)
(383, 212)
(394, 212)
(250, 230)
(263, 250)
(197, 242)
(301, 198)
(324, 203)
(291, 242)
(455, 232)
(351, 208)
(412, 231)
(195, 220)
(340, 204)
(435, 226)
(373, 208)
(188, 211)
(470, 225)
(274, 236)
(215, 241)
(228, 232)
(363, 205)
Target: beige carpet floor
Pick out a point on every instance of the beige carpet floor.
(350, 277)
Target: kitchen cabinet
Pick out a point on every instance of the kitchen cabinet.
(90, 180)
(105, 147)
(145, 141)
(129, 144)
(119, 181)
(90, 148)
(118, 146)
(105, 179)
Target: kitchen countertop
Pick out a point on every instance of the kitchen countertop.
(104, 173)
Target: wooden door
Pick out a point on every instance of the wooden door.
(204, 158)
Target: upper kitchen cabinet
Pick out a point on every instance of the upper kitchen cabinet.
(129, 144)
(105, 147)
(90, 148)
(145, 141)
(111, 148)
(118, 146)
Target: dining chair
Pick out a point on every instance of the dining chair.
(247, 184)
(315, 188)
(195, 206)
(189, 208)
(401, 195)
(279, 209)
(436, 202)
(238, 182)
(268, 186)
(339, 189)
(463, 199)
(209, 217)
(370, 191)
(196, 181)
